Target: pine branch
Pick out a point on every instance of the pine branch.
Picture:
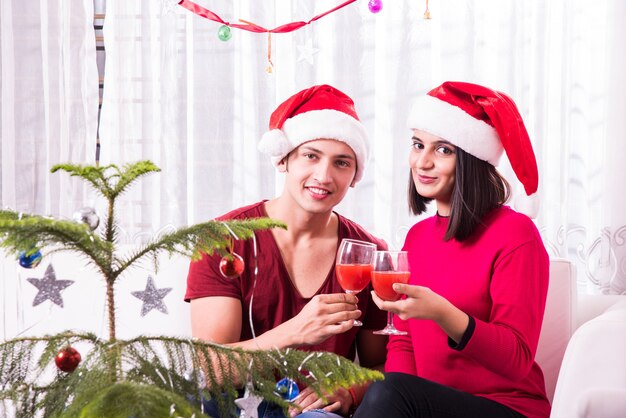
(109, 185)
(26, 233)
(209, 237)
(125, 399)
(92, 174)
(157, 367)
(131, 173)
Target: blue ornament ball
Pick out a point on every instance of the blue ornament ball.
(375, 6)
(224, 33)
(30, 261)
(287, 389)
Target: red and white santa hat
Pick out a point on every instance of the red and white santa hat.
(319, 112)
(484, 123)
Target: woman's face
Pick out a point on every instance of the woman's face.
(433, 166)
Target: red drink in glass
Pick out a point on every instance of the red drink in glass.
(390, 267)
(383, 283)
(353, 277)
(353, 268)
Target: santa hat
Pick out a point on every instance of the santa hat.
(319, 112)
(484, 123)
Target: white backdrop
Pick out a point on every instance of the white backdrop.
(84, 307)
(174, 93)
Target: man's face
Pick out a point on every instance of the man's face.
(319, 174)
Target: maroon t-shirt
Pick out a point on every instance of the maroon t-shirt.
(276, 300)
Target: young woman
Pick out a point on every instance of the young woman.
(479, 270)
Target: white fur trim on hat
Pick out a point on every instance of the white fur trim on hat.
(453, 124)
(318, 124)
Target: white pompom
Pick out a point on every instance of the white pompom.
(528, 205)
(275, 143)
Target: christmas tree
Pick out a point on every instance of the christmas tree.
(156, 376)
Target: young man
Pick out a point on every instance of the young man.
(317, 141)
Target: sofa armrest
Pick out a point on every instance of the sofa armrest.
(603, 403)
(591, 306)
(559, 321)
(594, 367)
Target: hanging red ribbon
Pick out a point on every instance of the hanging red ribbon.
(252, 27)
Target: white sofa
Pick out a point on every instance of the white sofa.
(582, 349)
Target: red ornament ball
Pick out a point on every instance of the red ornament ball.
(67, 359)
(231, 265)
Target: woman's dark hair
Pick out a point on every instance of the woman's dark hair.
(478, 188)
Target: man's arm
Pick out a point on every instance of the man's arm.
(219, 319)
(216, 319)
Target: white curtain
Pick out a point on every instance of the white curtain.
(49, 101)
(197, 106)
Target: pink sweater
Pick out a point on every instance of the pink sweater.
(499, 276)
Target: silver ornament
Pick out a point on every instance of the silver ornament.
(87, 216)
(249, 404)
(49, 288)
(152, 297)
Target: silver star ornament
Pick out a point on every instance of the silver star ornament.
(249, 404)
(49, 287)
(152, 297)
(306, 52)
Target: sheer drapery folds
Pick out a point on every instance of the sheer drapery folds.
(48, 102)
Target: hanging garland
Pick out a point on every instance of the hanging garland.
(224, 31)
(374, 6)
(253, 27)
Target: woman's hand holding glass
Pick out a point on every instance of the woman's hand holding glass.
(389, 267)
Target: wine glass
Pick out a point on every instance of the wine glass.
(389, 267)
(354, 266)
